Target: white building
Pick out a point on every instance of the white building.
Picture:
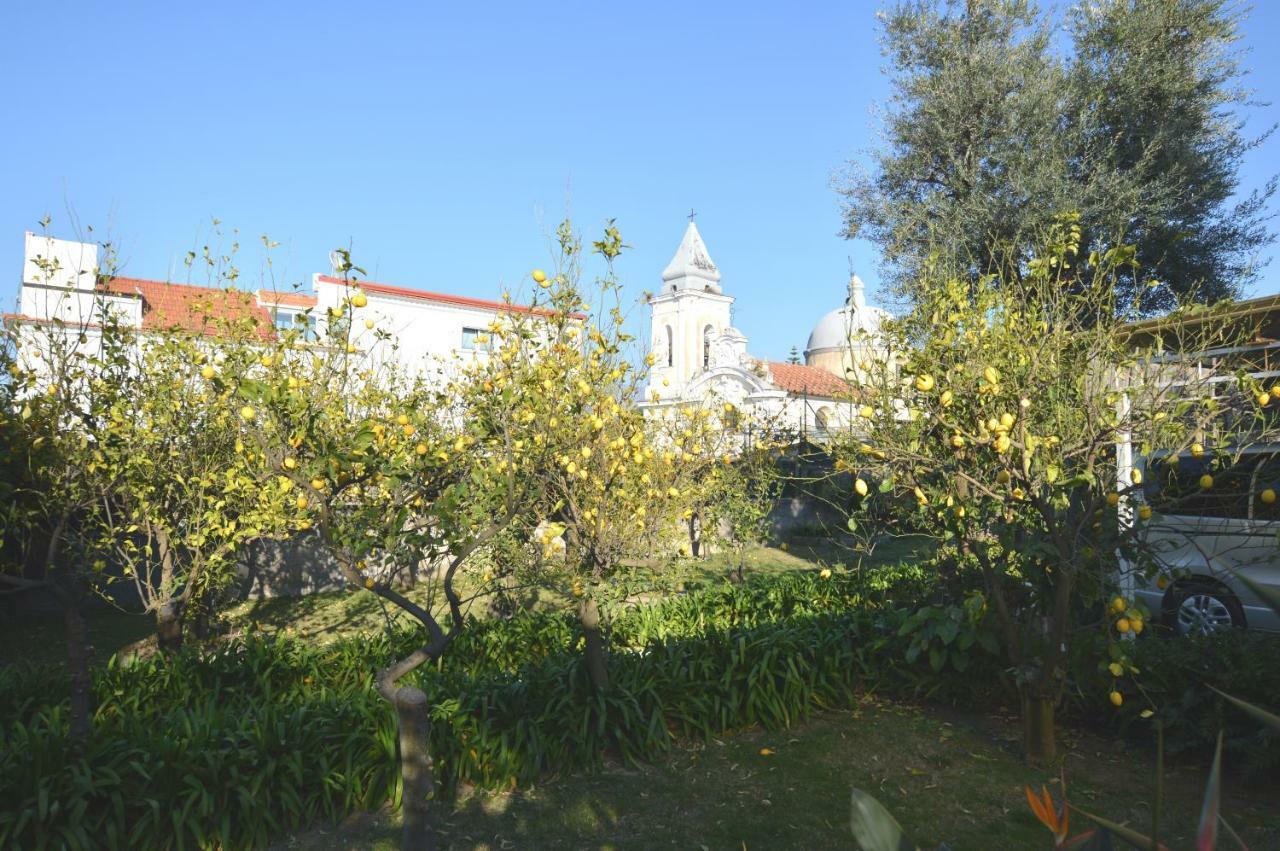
(62, 285)
(700, 357)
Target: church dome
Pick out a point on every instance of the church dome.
(835, 330)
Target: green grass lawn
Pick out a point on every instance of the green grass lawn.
(957, 781)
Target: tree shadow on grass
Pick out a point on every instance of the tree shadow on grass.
(758, 789)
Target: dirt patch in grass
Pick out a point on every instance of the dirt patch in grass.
(946, 780)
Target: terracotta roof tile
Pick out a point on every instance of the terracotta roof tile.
(200, 310)
(289, 299)
(806, 380)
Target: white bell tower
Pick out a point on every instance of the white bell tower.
(686, 317)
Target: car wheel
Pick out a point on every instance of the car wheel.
(1202, 608)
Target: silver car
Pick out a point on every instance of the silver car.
(1206, 539)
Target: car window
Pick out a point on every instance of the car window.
(1172, 486)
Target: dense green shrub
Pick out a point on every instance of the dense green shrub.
(1176, 674)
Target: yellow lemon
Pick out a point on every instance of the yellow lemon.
(946, 399)
(924, 383)
(301, 502)
(1003, 477)
(1002, 443)
(1135, 476)
(1123, 625)
(1116, 669)
(1136, 625)
(825, 573)
(539, 276)
(1263, 399)
(1206, 481)
(861, 487)
(359, 299)
(421, 449)
(1144, 512)
(991, 374)
(268, 361)
(1007, 420)
(1116, 698)
(248, 414)
(290, 463)
(866, 412)
(318, 484)
(1268, 496)
(207, 372)
(368, 323)
(1113, 499)
(1118, 605)
(957, 441)
(368, 583)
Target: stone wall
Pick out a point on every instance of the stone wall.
(288, 568)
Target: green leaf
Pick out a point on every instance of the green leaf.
(363, 439)
(1256, 711)
(874, 828)
(1128, 834)
(252, 390)
(937, 658)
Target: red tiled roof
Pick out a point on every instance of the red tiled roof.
(290, 299)
(806, 380)
(200, 310)
(442, 298)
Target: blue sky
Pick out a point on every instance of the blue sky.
(445, 141)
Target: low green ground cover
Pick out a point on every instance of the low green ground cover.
(274, 730)
(949, 777)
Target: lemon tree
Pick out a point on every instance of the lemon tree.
(615, 483)
(51, 424)
(738, 496)
(405, 473)
(176, 504)
(997, 413)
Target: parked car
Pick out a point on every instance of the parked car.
(1208, 538)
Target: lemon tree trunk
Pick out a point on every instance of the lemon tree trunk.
(81, 683)
(1038, 740)
(593, 644)
(418, 782)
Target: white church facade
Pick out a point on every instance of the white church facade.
(700, 358)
